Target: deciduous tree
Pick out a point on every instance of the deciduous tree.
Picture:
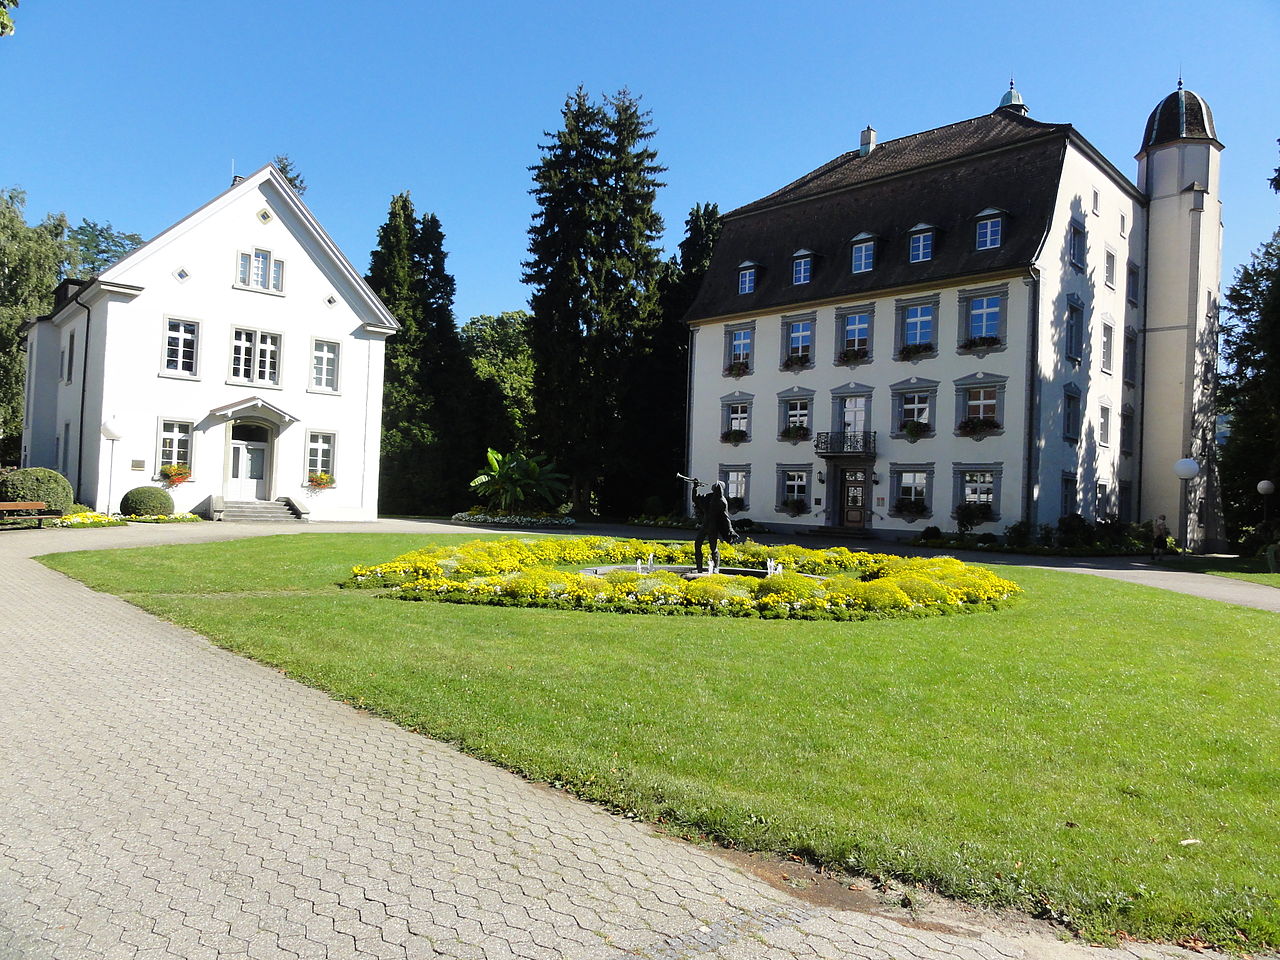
(96, 246)
(498, 347)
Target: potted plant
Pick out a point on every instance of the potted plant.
(797, 361)
(909, 351)
(738, 368)
(980, 343)
(795, 506)
(734, 436)
(910, 509)
(915, 429)
(319, 480)
(977, 426)
(794, 432)
(175, 473)
(736, 504)
(852, 355)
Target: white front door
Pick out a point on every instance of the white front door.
(248, 471)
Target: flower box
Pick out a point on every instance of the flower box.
(175, 473)
(794, 506)
(977, 426)
(910, 508)
(794, 433)
(915, 429)
(739, 368)
(797, 362)
(981, 343)
(853, 355)
(734, 436)
(319, 481)
(909, 351)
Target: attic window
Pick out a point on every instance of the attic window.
(921, 243)
(802, 266)
(864, 253)
(264, 216)
(181, 273)
(990, 230)
(747, 277)
(260, 271)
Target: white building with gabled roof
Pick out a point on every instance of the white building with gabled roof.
(241, 343)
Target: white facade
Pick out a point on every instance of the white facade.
(240, 342)
(1098, 378)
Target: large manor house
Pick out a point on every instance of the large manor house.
(989, 312)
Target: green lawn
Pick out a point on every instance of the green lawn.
(1053, 755)
(1253, 569)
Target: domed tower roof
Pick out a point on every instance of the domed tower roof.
(1182, 115)
(1013, 100)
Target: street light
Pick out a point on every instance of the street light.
(1186, 470)
(1266, 488)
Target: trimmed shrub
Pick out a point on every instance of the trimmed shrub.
(38, 483)
(146, 502)
(931, 533)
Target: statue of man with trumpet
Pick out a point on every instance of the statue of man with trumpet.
(716, 525)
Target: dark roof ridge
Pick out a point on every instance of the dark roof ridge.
(779, 197)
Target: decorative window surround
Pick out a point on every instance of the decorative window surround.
(259, 271)
(793, 488)
(739, 349)
(1109, 268)
(911, 484)
(841, 400)
(984, 323)
(1073, 333)
(798, 333)
(1108, 345)
(915, 400)
(916, 327)
(1071, 417)
(1104, 424)
(854, 330)
(980, 405)
(977, 483)
(1070, 494)
(795, 414)
(735, 417)
(1077, 245)
(736, 478)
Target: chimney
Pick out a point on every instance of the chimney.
(868, 141)
(235, 178)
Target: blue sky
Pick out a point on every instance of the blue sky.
(133, 112)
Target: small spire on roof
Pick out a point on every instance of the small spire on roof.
(1013, 100)
(1179, 79)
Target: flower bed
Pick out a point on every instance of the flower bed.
(853, 586)
(475, 515)
(164, 518)
(88, 519)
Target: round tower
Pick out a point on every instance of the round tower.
(1178, 170)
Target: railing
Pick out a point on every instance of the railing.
(863, 443)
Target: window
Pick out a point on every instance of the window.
(916, 327)
(1130, 356)
(854, 335)
(1124, 225)
(983, 317)
(738, 343)
(910, 489)
(855, 413)
(255, 357)
(989, 230)
(175, 442)
(1131, 284)
(1126, 431)
(793, 487)
(1126, 502)
(737, 483)
(914, 405)
(182, 337)
(921, 246)
(980, 403)
(864, 256)
(739, 416)
(324, 366)
(1104, 425)
(71, 356)
(747, 280)
(1097, 202)
(259, 271)
(65, 448)
(1070, 414)
(735, 418)
(1076, 246)
(801, 270)
(1108, 346)
(1070, 501)
(1101, 501)
(797, 342)
(979, 484)
(1109, 269)
(796, 485)
(319, 453)
(1074, 341)
(795, 414)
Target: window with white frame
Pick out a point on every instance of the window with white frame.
(1076, 245)
(737, 481)
(910, 489)
(978, 486)
(917, 325)
(798, 338)
(915, 407)
(324, 365)
(1131, 283)
(1073, 342)
(1109, 269)
(319, 453)
(182, 340)
(857, 330)
(983, 318)
(735, 419)
(989, 233)
(921, 246)
(795, 489)
(1108, 346)
(175, 442)
(255, 356)
(1104, 425)
(797, 413)
(801, 270)
(855, 413)
(746, 279)
(1097, 201)
(1101, 501)
(260, 271)
(1071, 413)
(738, 348)
(981, 402)
(864, 256)
(1124, 225)
(1126, 431)
(739, 416)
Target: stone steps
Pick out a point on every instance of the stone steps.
(258, 511)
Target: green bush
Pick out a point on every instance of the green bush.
(145, 502)
(37, 483)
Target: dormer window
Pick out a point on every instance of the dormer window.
(802, 266)
(864, 253)
(260, 271)
(921, 243)
(747, 277)
(990, 229)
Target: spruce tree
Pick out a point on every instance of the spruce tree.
(594, 267)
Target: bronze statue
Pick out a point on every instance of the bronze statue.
(716, 525)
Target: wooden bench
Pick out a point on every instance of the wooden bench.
(30, 510)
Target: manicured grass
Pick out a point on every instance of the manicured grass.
(1053, 755)
(1253, 569)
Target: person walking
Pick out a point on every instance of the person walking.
(1159, 538)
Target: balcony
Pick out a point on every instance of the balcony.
(861, 444)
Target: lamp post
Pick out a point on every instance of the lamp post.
(1266, 488)
(110, 433)
(1186, 470)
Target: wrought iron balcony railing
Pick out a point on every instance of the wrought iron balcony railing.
(861, 443)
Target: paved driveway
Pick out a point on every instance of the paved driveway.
(160, 797)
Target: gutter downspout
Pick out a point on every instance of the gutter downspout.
(84, 390)
(688, 423)
(1033, 401)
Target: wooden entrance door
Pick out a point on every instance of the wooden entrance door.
(854, 495)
